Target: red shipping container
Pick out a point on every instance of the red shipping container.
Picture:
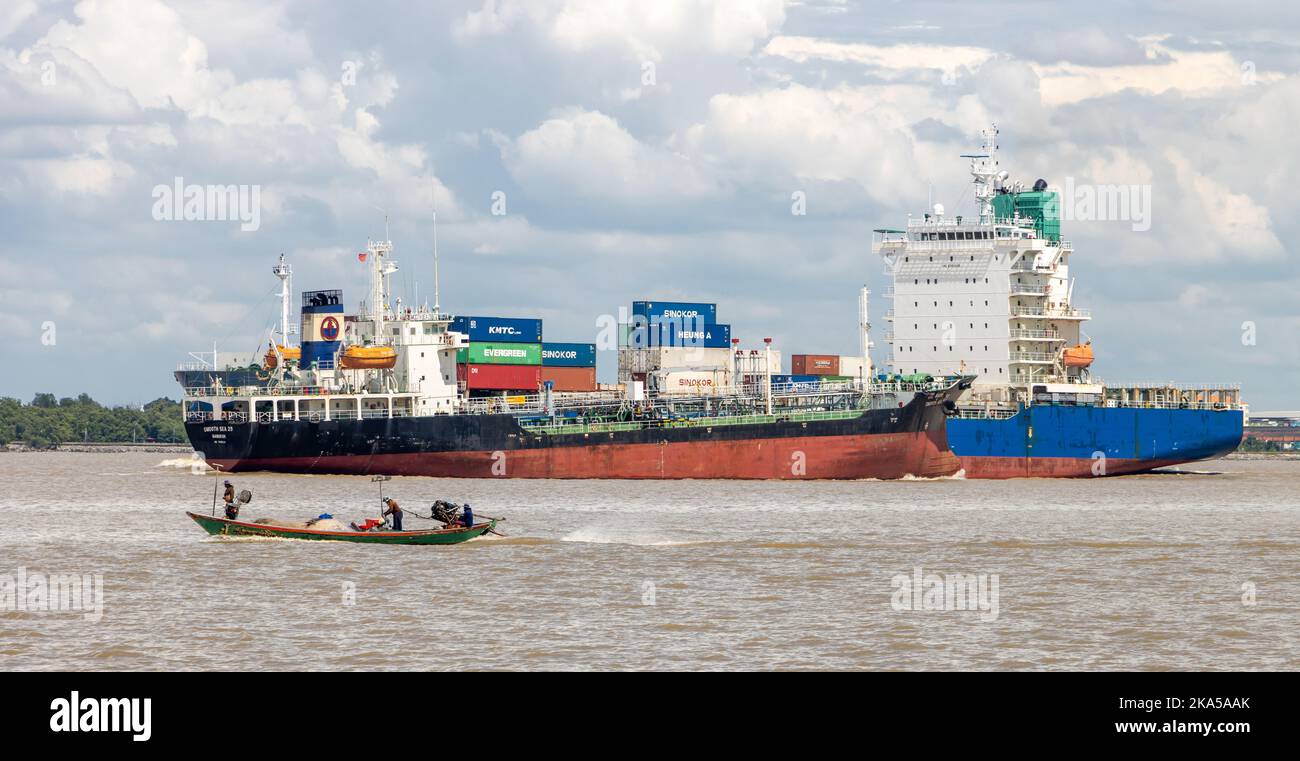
(501, 377)
(815, 364)
(570, 378)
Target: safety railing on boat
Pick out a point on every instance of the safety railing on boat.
(314, 416)
(566, 426)
(983, 413)
(205, 391)
(1172, 404)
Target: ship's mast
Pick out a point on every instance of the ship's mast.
(285, 273)
(864, 324)
(984, 168)
(381, 267)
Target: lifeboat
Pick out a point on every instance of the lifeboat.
(288, 352)
(368, 358)
(1079, 356)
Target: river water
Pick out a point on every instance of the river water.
(1198, 569)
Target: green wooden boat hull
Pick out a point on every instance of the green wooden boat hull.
(226, 527)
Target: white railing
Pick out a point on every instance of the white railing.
(1210, 387)
(1055, 314)
(1033, 356)
(1173, 404)
(983, 413)
(1035, 335)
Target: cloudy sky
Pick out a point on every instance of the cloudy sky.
(640, 150)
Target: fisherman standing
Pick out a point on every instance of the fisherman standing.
(228, 499)
(394, 510)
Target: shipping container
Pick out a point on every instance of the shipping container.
(814, 364)
(570, 378)
(852, 366)
(500, 354)
(698, 382)
(755, 360)
(525, 378)
(499, 329)
(568, 355)
(661, 311)
(641, 335)
(640, 361)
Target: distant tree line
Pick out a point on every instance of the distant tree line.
(48, 421)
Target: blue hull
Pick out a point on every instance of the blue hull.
(1063, 441)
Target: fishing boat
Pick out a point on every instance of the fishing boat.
(226, 527)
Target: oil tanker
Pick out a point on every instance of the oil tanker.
(381, 392)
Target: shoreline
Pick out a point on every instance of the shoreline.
(102, 448)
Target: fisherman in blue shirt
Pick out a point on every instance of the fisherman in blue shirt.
(468, 517)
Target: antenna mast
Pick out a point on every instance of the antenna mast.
(381, 267)
(984, 168)
(285, 273)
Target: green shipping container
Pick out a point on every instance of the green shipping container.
(500, 354)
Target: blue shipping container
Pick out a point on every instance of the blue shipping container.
(569, 355)
(662, 311)
(520, 330)
(642, 336)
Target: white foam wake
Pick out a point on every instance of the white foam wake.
(185, 463)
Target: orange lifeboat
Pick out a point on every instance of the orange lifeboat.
(368, 358)
(288, 352)
(1079, 356)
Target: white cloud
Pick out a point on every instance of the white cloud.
(1189, 73)
(589, 154)
(1217, 222)
(801, 133)
(1192, 73)
(641, 30)
(891, 57)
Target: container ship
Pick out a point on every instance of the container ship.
(400, 390)
(991, 296)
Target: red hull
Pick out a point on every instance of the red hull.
(893, 455)
(1055, 467)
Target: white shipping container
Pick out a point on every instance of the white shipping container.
(852, 366)
(669, 357)
(696, 382)
(755, 361)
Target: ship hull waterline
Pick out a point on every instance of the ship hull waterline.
(909, 441)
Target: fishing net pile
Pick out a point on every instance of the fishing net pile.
(318, 524)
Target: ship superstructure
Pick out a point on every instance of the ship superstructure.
(991, 295)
